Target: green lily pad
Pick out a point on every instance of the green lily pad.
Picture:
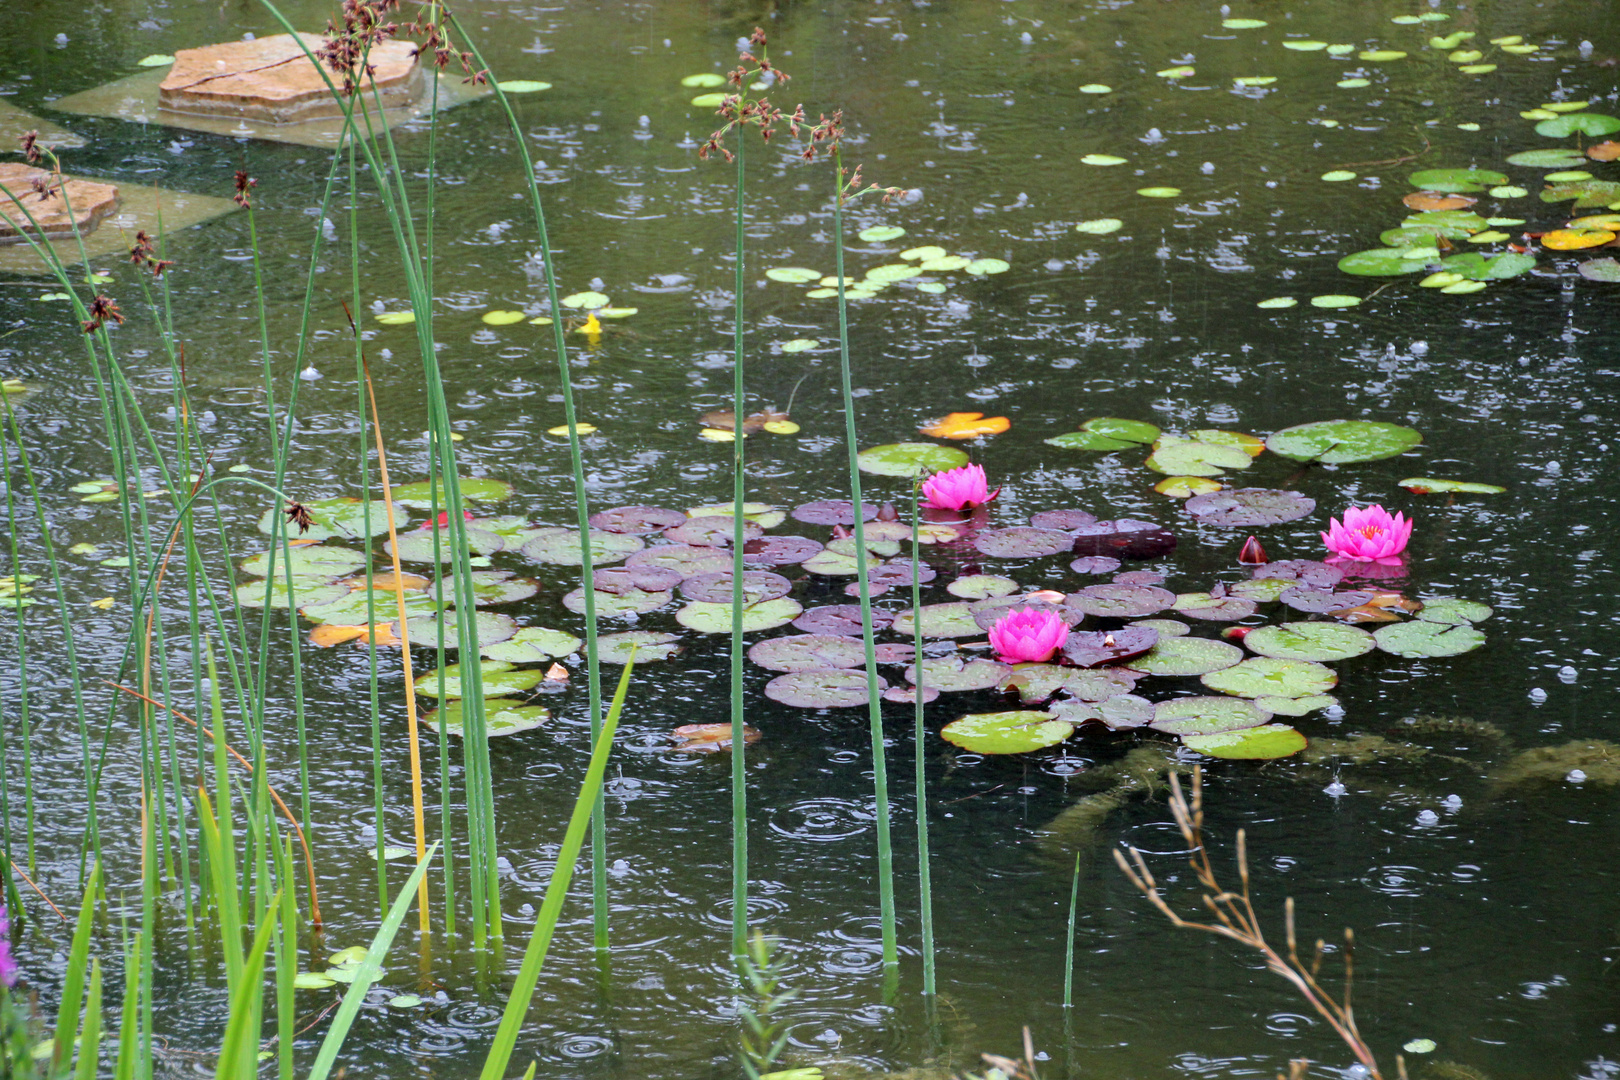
(1586, 193)
(409, 1001)
(418, 545)
(1211, 608)
(1381, 262)
(1318, 641)
(1455, 180)
(499, 677)
(824, 688)
(488, 587)
(1158, 192)
(1119, 601)
(710, 101)
(514, 529)
(1351, 84)
(1278, 302)
(1338, 176)
(489, 627)
(311, 980)
(1176, 456)
(979, 267)
(1270, 677)
(706, 78)
(533, 644)
(502, 716)
(1006, 732)
(1425, 485)
(1187, 656)
(619, 602)
(1205, 715)
(588, 299)
(1296, 706)
(1135, 431)
(982, 586)
(911, 459)
(1586, 123)
(1449, 609)
(1096, 88)
(1607, 270)
(311, 561)
(1378, 56)
(474, 488)
(304, 590)
(357, 608)
(1343, 442)
(707, 618)
(1100, 226)
(924, 253)
(1036, 683)
(829, 563)
(522, 86)
(952, 674)
(892, 272)
(562, 548)
(948, 620)
(1476, 267)
(793, 275)
(155, 60)
(1102, 159)
(340, 517)
(1428, 639)
(1305, 46)
(1253, 744)
(1181, 71)
(879, 234)
(1088, 440)
(1548, 159)
(1243, 24)
(650, 645)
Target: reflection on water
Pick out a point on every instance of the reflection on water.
(1482, 891)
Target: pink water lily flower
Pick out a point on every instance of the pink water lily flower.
(1028, 636)
(1369, 534)
(957, 489)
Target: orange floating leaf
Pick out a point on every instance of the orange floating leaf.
(327, 635)
(1604, 151)
(388, 582)
(1575, 239)
(966, 425)
(1437, 200)
(556, 673)
(709, 738)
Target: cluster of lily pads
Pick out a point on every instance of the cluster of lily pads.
(1286, 621)
(919, 262)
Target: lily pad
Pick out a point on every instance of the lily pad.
(1096, 648)
(1062, 519)
(1159, 192)
(488, 626)
(1176, 456)
(1548, 159)
(1088, 440)
(499, 677)
(1100, 226)
(948, 620)
(312, 561)
(716, 587)
(1342, 442)
(590, 298)
(1585, 123)
(1022, 542)
(944, 264)
(1296, 706)
(715, 618)
(1456, 180)
(650, 645)
(418, 545)
(502, 716)
(641, 520)
(840, 619)
(979, 267)
(1449, 609)
(345, 518)
(1206, 715)
(1123, 539)
(1320, 601)
(1134, 431)
(357, 608)
(1187, 656)
(1212, 608)
(1120, 601)
(533, 644)
(1319, 641)
(1476, 267)
(1600, 270)
(488, 587)
(1428, 639)
(563, 548)
(1586, 193)
(1381, 262)
(713, 531)
(1006, 732)
(808, 652)
(475, 488)
(836, 511)
(831, 563)
(827, 688)
(283, 592)
(1102, 159)
(686, 560)
(952, 674)
(1426, 485)
(618, 602)
(767, 551)
(1267, 676)
(879, 234)
(1243, 507)
(982, 586)
(793, 275)
(1262, 743)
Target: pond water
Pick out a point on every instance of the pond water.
(1484, 908)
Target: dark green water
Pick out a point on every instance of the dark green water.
(1486, 923)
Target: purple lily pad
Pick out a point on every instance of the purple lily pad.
(1139, 577)
(1212, 607)
(715, 588)
(1040, 682)
(1062, 519)
(1094, 564)
(767, 551)
(890, 575)
(624, 602)
(1124, 539)
(808, 652)
(893, 652)
(987, 612)
(953, 674)
(832, 512)
(622, 579)
(685, 559)
(1248, 507)
(1022, 542)
(1322, 601)
(844, 619)
(643, 520)
(822, 688)
(714, 530)
(1119, 713)
(1089, 650)
(1121, 601)
(908, 694)
(1309, 572)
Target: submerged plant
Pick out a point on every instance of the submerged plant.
(1368, 534)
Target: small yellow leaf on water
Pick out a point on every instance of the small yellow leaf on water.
(502, 318)
(540, 320)
(562, 429)
(104, 604)
(718, 435)
(83, 549)
(454, 436)
(781, 427)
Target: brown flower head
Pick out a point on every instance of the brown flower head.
(102, 311)
(298, 514)
(29, 150)
(244, 185)
(737, 110)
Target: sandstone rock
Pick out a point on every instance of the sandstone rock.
(271, 79)
(90, 201)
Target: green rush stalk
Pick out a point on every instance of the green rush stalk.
(925, 886)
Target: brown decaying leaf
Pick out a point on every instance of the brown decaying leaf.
(327, 635)
(388, 582)
(1609, 150)
(709, 738)
(1437, 200)
(726, 420)
(1381, 608)
(556, 673)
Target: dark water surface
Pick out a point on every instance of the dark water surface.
(1486, 922)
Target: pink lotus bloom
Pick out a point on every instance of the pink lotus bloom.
(957, 489)
(1367, 534)
(1028, 636)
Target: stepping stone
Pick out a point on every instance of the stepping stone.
(90, 202)
(271, 79)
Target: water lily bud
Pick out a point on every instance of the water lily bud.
(1236, 633)
(1252, 554)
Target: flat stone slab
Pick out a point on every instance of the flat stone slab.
(55, 210)
(272, 79)
(140, 208)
